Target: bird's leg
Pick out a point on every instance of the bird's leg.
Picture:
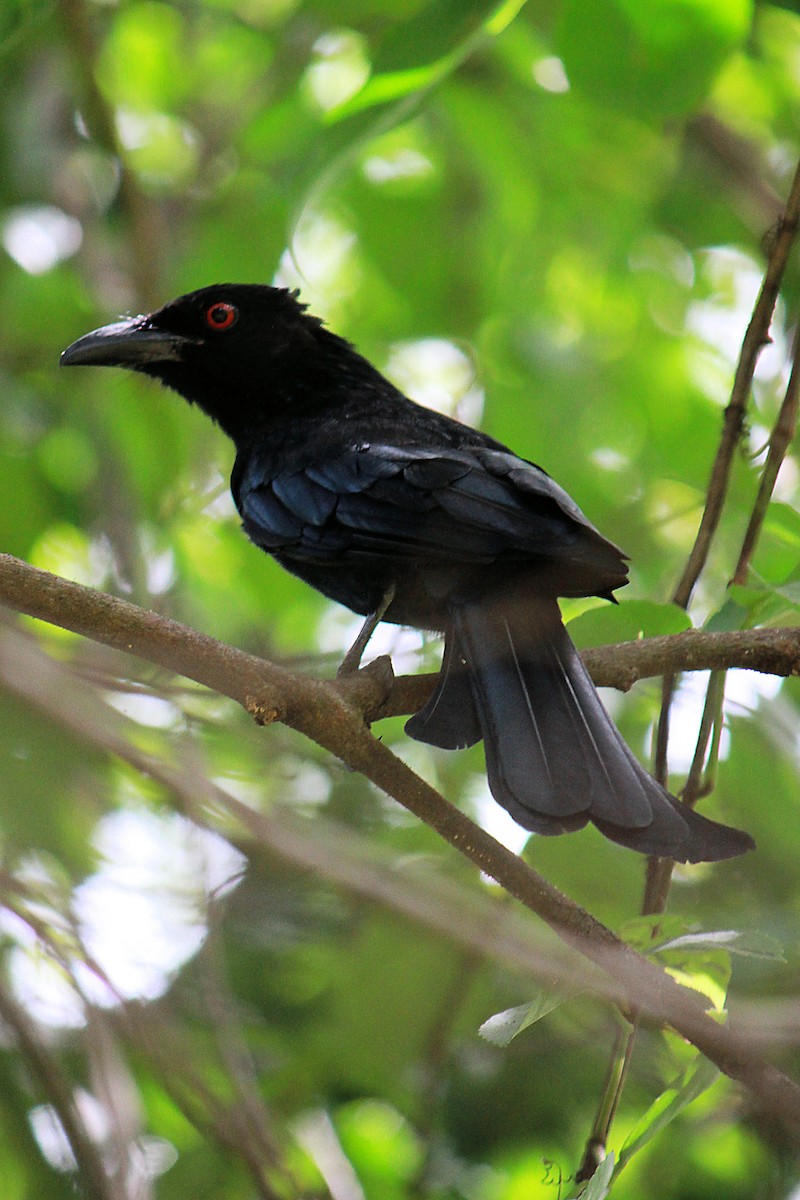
(352, 660)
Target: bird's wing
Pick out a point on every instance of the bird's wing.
(465, 505)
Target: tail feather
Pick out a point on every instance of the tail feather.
(554, 758)
(449, 719)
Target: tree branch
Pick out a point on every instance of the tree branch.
(780, 439)
(756, 337)
(324, 713)
(771, 651)
(271, 692)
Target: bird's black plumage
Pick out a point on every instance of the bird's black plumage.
(358, 490)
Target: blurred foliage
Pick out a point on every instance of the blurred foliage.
(547, 217)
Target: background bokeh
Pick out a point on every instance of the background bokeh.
(547, 218)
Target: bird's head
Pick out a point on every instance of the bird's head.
(240, 351)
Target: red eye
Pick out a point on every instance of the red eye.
(221, 315)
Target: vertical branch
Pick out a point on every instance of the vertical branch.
(659, 873)
(755, 338)
(433, 1059)
(150, 1032)
(659, 870)
(143, 264)
(595, 1150)
(780, 439)
(115, 1088)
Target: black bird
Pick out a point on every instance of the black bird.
(390, 508)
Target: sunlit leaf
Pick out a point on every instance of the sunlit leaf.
(709, 979)
(436, 29)
(747, 944)
(627, 621)
(670, 1104)
(599, 1186)
(503, 1027)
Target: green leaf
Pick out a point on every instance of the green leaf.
(707, 971)
(700, 961)
(747, 944)
(663, 1111)
(391, 86)
(503, 1027)
(599, 1185)
(734, 614)
(640, 932)
(653, 59)
(709, 979)
(626, 622)
(790, 592)
(779, 544)
(442, 35)
(757, 603)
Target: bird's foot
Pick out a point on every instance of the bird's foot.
(352, 660)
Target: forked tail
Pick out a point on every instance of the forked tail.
(554, 757)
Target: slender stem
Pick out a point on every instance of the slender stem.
(712, 762)
(433, 1059)
(657, 885)
(660, 755)
(619, 1063)
(780, 439)
(712, 715)
(756, 337)
(659, 871)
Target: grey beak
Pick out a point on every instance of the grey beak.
(132, 343)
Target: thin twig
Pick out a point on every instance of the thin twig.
(595, 1150)
(658, 879)
(220, 1007)
(741, 161)
(755, 338)
(114, 1087)
(433, 1059)
(774, 651)
(780, 439)
(712, 713)
(659, 870)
